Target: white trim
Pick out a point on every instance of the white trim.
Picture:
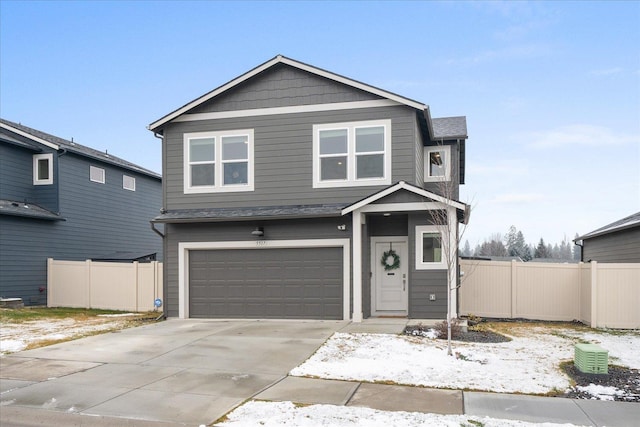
(403, 186)
(420, 264)
(218, 186)
(96, 169)
(281, 59)
(294, 109)
(132, 180)
(185, 247)
(31, 137)
(36, 159)
(402, 207)
(446, 149)
(352, 180)
(374, 263)
(357, 221)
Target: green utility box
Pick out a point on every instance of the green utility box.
(591, 359)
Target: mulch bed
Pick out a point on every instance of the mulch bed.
(483, 336)
(625, 379)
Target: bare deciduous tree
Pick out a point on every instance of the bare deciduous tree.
(445, 219)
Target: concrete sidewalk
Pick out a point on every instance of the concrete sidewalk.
(386, 397)
(191, 372)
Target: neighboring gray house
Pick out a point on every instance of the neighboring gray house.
(294, 192)
(616, 242)
(62, 200)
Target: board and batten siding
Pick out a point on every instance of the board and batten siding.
(283, 153)
(620, 246)
(292, 229)
(99, 219)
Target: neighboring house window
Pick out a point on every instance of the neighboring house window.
(429, 249)
(437, 163)
(43, 169)
(352, 154)
(96, 174)
(218, 161)
(128, 183)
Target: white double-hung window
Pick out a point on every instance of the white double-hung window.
(352, 154)
(218, 161)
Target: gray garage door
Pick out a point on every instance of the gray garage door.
(299, 283)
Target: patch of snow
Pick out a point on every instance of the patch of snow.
(601, 392)
(276, 414)
(11, 346)
(525, 364)
(16, 337)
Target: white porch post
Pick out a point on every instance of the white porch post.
(453, 251)
(357, 266)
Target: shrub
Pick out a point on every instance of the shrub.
(441, 329)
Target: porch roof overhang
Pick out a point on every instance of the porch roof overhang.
(251, 213)
(462, 209)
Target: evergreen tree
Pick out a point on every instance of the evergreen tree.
(466, 251)
(542, 250)
(516, 245)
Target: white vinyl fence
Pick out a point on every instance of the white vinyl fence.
(105, 285)
(597, 294)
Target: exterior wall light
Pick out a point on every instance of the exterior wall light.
(258, 232)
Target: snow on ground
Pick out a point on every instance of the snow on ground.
(527, 364)
(16, 337)
(275, 414)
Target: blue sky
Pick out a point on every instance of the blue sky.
(551, 90)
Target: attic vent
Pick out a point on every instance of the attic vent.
(591, 359)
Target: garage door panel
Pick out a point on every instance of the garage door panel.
(301, 283)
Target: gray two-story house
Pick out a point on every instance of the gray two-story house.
(63, 200)
(295, 192)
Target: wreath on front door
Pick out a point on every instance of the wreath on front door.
(390, 260)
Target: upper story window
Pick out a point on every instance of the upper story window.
(437, 163)
(352, 154)
(429, 248)
(96, 174)
(128, 183)
(218, 161)
(43, 169)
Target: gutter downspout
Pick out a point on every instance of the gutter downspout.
(581, 244)
(155, 230)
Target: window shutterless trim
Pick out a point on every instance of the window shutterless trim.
(218, 186)
(352, 180)
(93, 170)
(446, 149)
(36, 170)
(421, 230)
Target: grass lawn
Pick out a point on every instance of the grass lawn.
(33, 327)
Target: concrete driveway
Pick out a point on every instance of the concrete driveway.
(178, 372)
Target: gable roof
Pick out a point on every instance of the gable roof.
(622, 224)
(57, 143)
(279, 59)
(401, 185)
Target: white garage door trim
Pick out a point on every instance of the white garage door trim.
(185, 247)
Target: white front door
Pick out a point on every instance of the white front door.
(389, 281)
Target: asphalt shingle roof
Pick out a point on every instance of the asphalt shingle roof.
(449, 127)
(29, 210)
(265, 212)
(627, 222)
(80, 149)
